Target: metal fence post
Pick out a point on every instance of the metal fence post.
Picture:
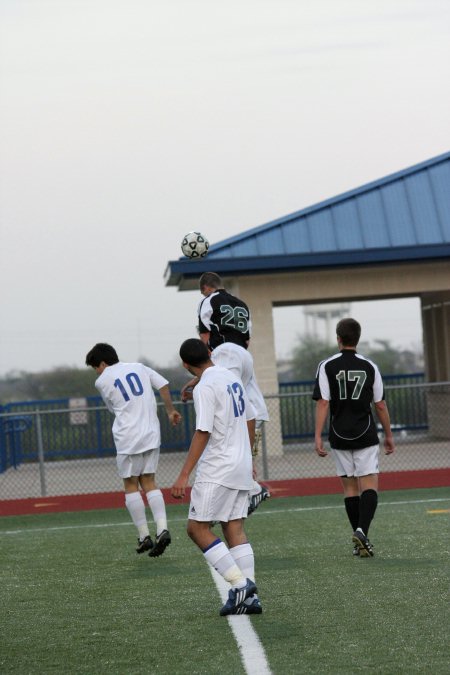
(40, 454)
(265, 464)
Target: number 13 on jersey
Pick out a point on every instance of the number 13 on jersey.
(236, 392)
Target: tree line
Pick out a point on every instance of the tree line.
(65, 382)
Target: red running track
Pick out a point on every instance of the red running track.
(299, 487)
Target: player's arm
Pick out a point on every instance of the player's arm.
(322, 407)
(251, 426)
(382, 412)
(173, 415)
(186, 390)
(204, 337)
(198, 444)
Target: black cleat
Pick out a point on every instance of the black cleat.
(161, 543)
(255, 500)
(236, 597)
(250, 606)
(362, 542)
(145, 544)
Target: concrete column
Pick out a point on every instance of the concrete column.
(262, 348)
(436, 334)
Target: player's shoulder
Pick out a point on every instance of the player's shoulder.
(329, 360)
(223, 293)
(216, 374)
(366, 361)
(109, 372)
(131, 365)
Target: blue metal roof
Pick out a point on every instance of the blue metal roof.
(404, 216)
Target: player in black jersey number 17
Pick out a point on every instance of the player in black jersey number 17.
(347, 384)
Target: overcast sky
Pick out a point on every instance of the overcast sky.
(126, 123)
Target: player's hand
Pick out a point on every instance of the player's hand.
(389, 446)
(186, 394)
(319, 448)
(178, 490)
(174, 417)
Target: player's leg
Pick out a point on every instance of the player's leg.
(209, 502)
(136, 509)
(259, 492)
(366, 469)
(219, 557)
(242, 552)
(345, 470)
(351, 501)
(350, 487)
(155, 502)
(368, 500)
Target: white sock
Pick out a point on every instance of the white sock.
(244, 559)
(158, 508)
(219, 557)
(136, 508)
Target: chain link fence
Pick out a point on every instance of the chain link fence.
(55, 448)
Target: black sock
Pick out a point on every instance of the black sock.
(367, 507)
(352, 508)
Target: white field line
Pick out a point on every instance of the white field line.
(252, 652)
(263, 512)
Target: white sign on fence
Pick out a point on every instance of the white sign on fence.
(78, 416)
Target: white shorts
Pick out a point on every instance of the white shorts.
(136, 465)
(354, 463)
(211, 501)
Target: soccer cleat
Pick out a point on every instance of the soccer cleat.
(161, 543)
(362, 542)
(250, 606)
(356, 550)
(236, 597)
(255, 500)
(145, 544)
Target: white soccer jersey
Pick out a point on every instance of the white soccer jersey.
(127, 390)
(240, 361)
(235, 358)
(222, 409)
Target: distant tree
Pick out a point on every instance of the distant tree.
(309, 351)
(391, 360)
(68, 383)
(306, 356)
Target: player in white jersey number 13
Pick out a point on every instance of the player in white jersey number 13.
(221, 452)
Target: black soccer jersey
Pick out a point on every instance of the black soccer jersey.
(226, 318)
(350, 382)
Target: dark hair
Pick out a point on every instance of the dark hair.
(210, 279)
(194, 352)
(349, 331)
(101, 352)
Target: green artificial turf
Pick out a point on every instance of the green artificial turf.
(77, 599)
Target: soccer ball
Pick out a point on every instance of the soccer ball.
(195, 245)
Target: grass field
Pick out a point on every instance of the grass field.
(77, 599)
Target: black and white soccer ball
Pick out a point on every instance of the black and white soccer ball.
(195, 245)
